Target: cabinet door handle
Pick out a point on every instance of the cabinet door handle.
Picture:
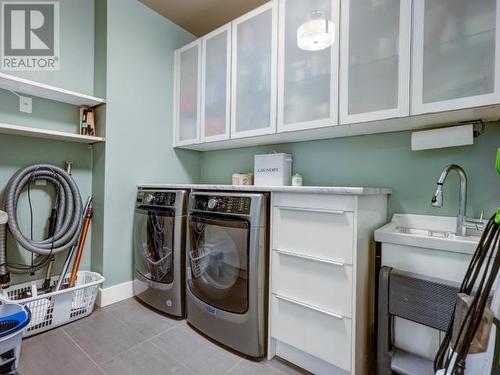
(308, 257)
(311, 307)
(318, 210)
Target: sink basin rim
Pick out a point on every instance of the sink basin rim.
(420, 226)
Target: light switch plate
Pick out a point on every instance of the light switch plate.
(41, 182)
(25, 104)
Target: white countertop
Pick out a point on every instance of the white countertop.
(341, 190)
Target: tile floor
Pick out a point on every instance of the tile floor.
(129, 338)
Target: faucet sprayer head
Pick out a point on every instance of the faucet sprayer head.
(437, 198)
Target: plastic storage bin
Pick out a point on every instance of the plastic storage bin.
(53, 309)
(273, 170)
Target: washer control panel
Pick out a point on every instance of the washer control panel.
(156, 198)
(222, 204)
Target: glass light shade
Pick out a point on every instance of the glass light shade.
(316, 35)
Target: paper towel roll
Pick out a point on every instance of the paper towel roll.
(445, 137)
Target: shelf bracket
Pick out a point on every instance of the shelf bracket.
(25, 103)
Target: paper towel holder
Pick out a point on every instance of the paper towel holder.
(482, 127)
(453, 135)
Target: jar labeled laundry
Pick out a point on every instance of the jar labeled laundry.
(273, 170)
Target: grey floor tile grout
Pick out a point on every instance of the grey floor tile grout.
(124, 323)
(124, 351)
(164, 331)
(176, 324)
(84, 352)
(171, 357)
(240, 360)
(145, 339)
(150, 337)
(275, 369)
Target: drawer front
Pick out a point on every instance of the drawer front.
(322, 201)
(325, 285)
(316, 333)
(323, 234)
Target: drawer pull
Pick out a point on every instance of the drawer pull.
(318, 210)
(308, 257)
(311, 307)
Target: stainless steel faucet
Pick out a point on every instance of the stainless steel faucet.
(437, 198)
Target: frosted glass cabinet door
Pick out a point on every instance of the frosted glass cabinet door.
(307, 80)
(187, 94)
(456, 54)
(216, 79)
(253, 85)
(375, 60)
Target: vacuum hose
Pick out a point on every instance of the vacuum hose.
(69, 210)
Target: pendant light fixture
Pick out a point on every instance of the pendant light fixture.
(316, 34)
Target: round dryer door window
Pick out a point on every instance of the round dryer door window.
(218, 257)
(154, 243)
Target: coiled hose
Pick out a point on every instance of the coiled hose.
(67, 227)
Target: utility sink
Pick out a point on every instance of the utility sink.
(430, 232)
(427, 246)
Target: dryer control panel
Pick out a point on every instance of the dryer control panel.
(156, 198)
(222, 204)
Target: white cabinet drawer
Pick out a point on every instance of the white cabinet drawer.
(322, 284)
(322, 201)
(323, 234)
(317, 333)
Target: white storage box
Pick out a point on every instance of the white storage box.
(273, 170)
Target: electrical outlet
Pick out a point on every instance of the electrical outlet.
(25, 104)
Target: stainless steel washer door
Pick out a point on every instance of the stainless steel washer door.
(218, 258)
(153, 242)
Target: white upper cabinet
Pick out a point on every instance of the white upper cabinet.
(290, 66)
(216, 85)
(186, 94)
(253, 86)
(307, 76)
(456, 52)
(375, 60)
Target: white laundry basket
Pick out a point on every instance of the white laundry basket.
(53, 309)
(199, 262)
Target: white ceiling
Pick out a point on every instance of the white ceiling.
(199, 17)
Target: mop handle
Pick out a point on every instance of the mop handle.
(81, 244)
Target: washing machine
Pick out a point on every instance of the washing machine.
(159, 249)
(226, 273)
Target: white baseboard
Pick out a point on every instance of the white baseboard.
(306, 361)
(115, 293)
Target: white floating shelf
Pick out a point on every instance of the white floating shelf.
(48, 134)
(41, 90)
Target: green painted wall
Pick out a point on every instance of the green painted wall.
(77, 71)
(140, 46)
(100, 48)
(381, 160)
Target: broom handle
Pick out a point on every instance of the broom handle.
(81, 244)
